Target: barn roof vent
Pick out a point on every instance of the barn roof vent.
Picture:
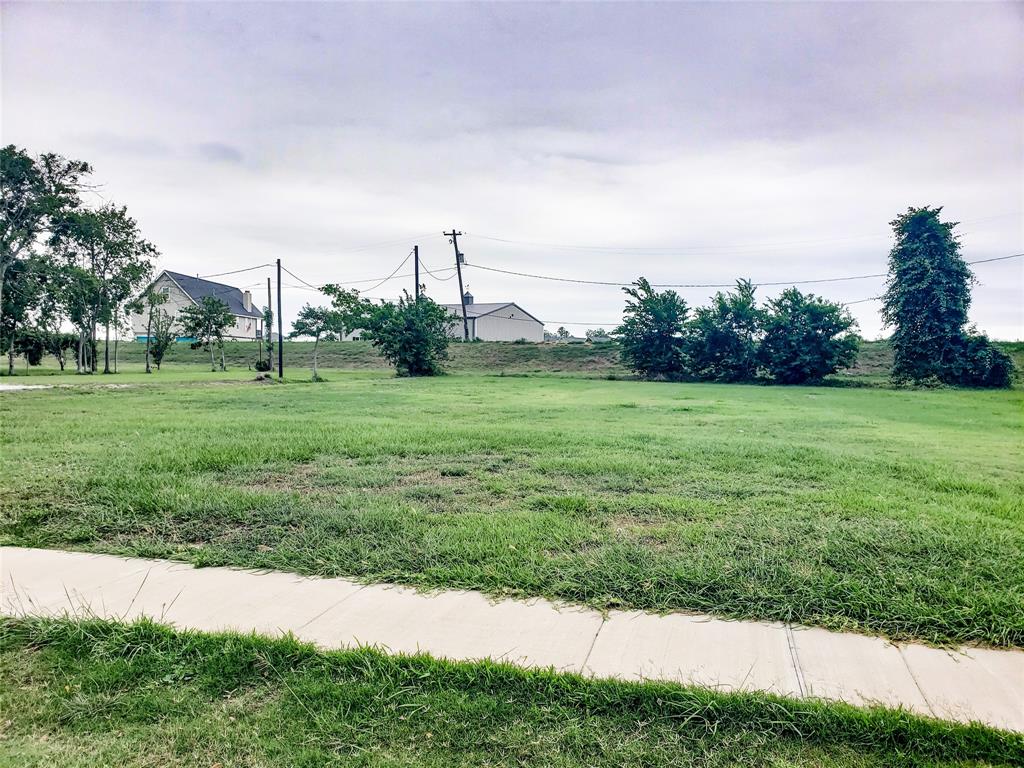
(467, 297)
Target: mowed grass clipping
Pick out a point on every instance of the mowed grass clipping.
(884, 511)
(95, 693)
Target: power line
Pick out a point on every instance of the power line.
(236, 271)
(378, 280)
(711, 285)
(433, 272)
(389, 277)
(739, 247)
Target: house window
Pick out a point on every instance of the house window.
(166, 291)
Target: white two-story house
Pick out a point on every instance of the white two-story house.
(182, 290)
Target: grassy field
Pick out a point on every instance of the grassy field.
(88, 694)
(888, 511)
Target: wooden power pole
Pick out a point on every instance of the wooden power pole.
(280, 327)
(416, 258)
(267, 329)
(459, 258)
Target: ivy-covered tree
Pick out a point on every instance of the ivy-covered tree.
(927, 296)
(206, 322)
(926, 302)
(317, 322)
(721, 341)
(651, 332)
(805, 338)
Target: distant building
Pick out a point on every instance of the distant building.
(501, 321)
(184, 290)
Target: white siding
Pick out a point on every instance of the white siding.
(245, 328)
(508, 324)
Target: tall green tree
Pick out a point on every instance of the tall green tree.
(721, 341)
(35, 195)
(651, 332)
(108, 244)
(206, 322)
(805, 338)
(927, 296)
(316, 322)
(16, 304)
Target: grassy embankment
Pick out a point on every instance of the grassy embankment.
(594, 360)
(888, 511)
(89, 694)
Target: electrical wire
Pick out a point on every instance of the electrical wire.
(235, 271)
(710, 285)
(400, 265)
(433, 274)
(740, 247)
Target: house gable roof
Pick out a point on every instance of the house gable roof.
(197, 289)
(479, 310)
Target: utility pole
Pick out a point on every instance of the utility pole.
(416, 257)
(267, 329)
(459, 258)
(280, 327)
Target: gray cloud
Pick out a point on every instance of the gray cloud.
(769, 140)
(219, 153)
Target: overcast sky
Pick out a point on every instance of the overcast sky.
(690, 143)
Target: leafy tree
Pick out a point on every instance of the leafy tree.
(15, 305)
(596, 333)
(107, 243)
(412, 335)
(317, 322)
(721, 341)
(806, 338)
(562, 333)
(35, 194)
(650, 334)
(59, 344)
(206, 322)
(162, 335)
(927, 296)
(150, 303)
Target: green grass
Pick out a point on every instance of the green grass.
(895, 512)
(94, 693)
(872, 368)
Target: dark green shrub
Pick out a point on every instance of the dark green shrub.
(721, 341)
(412, 334)
(805, 338)
(978, 363)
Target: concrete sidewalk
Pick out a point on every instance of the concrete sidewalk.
(969, 684)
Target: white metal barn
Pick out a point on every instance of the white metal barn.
(501, 321)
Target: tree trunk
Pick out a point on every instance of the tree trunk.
(93, 362)
(223, 366)
(316, 345)
(149, 331)
(213, 365)
(106, 347)
(10, 352)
